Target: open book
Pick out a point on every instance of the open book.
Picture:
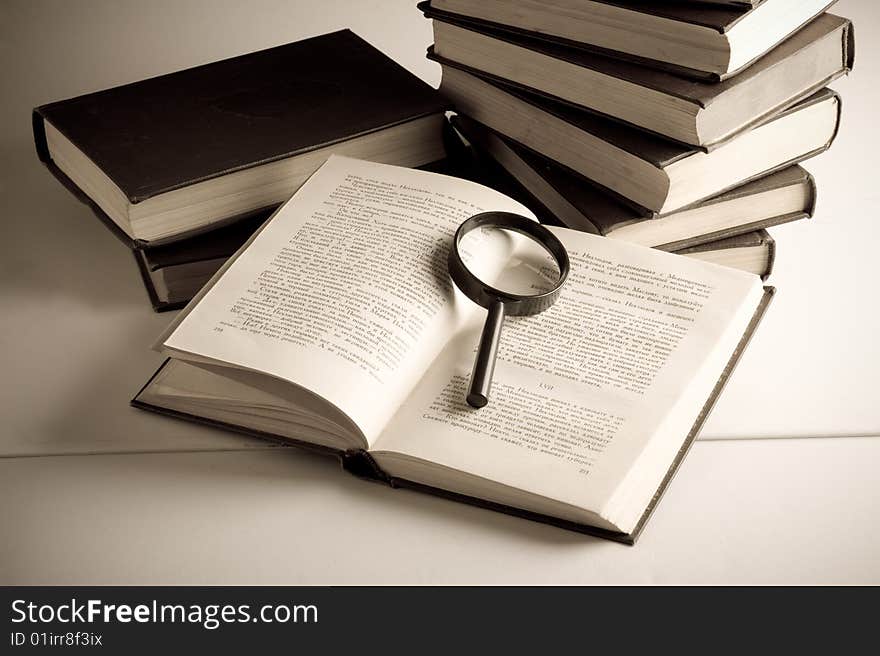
(337, 326)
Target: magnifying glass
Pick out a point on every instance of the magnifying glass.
(540, 291)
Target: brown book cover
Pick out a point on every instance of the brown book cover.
(700, 94)
(359, 462)
(718, 17)
(212, 120)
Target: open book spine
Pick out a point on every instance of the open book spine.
(359, 462)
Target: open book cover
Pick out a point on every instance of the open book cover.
(336, 327)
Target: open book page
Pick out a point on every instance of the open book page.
(633, 347)
(345, 291)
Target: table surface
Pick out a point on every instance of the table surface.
(93, 491)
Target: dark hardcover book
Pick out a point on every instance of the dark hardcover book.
(647, 171)
(692, 112)
(568, 199)
(185, 152)
(694, 40)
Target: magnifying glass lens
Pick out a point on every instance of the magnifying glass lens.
(509, 261)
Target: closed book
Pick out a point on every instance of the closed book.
(780, 197)
(700, 41)
(654, 173)
(186, 152)
(692, 112)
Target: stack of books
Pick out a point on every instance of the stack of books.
(186, 166)
(676, 125)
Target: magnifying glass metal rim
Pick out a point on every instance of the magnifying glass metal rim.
(499, 302)
(485, 294)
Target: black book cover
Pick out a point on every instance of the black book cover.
(171, 131)
(161, 134)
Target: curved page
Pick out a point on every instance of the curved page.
(345, 290)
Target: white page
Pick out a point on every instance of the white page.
(580, 389)
(317, 300)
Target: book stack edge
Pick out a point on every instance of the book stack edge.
(672, 156)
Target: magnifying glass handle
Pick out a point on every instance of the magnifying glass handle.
(484, 365)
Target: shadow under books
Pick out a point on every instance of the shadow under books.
(303, 469)
(54, 246)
